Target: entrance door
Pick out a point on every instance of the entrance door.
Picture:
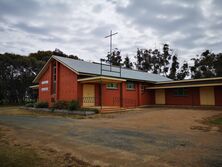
(88, 95)
(160, 96)
(207, 96)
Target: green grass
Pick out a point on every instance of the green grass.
(217, 121)
(18, 157)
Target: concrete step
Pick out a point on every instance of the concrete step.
(112, 110)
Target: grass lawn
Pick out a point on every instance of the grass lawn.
(18, 157)
(217, 121)
(23, 155)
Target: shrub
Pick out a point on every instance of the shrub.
(29, 105)
(73, 105)
(52, 109)
(41, 104)
(60, 105)
(29, 101)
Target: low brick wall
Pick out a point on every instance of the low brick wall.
(76, 112)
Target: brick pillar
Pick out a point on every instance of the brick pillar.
(123, 89)
(139, 93)
(121, 95)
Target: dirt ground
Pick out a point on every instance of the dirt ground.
(142, 137)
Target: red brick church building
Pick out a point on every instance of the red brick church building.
(96, 85)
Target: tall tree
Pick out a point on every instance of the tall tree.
(127, 63)
(146, 56)
(218, 65)
(204, 65)
(153, 60)
(156, 61)
(17, 73)
(41, 55)
(139, 59)
(114, 58)
(166, 57)
(174, 67)
(183, 72)
(58, 52)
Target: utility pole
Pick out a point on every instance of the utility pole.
(110, 37)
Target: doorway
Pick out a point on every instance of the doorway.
(88, 95)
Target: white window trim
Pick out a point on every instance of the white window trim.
(131, 88)
(108, 87)
(44, 82)
(44, 89)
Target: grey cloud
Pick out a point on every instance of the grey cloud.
(18, 8)
(184, 16)
(102, 31)
(145, 13)
(32, 29)
(97, 8)
(28, 25)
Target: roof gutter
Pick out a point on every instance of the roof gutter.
(184, 86)
(117, 77)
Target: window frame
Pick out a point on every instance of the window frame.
(143, 87)
(130, 88)
(111, 85)
(181, 92)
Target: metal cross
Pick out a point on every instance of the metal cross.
(110, 36)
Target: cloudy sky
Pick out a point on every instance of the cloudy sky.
(79, 26)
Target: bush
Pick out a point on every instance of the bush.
(29, 105)
(29, 101)
(60, 105)
(41, 104)
(73, 105)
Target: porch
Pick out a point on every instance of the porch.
(95, 93)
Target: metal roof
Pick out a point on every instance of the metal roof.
(95, 69)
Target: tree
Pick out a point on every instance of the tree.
(41, 55)
(184, 72)
(154, 61)
(58, 52)
(166, 57)
(74, 57)
(146, 56)
(174, 68)
(139, 59)
(204, 65)
(17, 73)
(114, 58)
(218, 65)
(127, 63)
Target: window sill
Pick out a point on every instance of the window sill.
(130, 89)
(112, 88)
(180, 95)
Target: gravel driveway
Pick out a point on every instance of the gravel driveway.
(144, 137)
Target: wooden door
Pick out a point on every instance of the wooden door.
(160, 96)
(207, 96)
(88, 95)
